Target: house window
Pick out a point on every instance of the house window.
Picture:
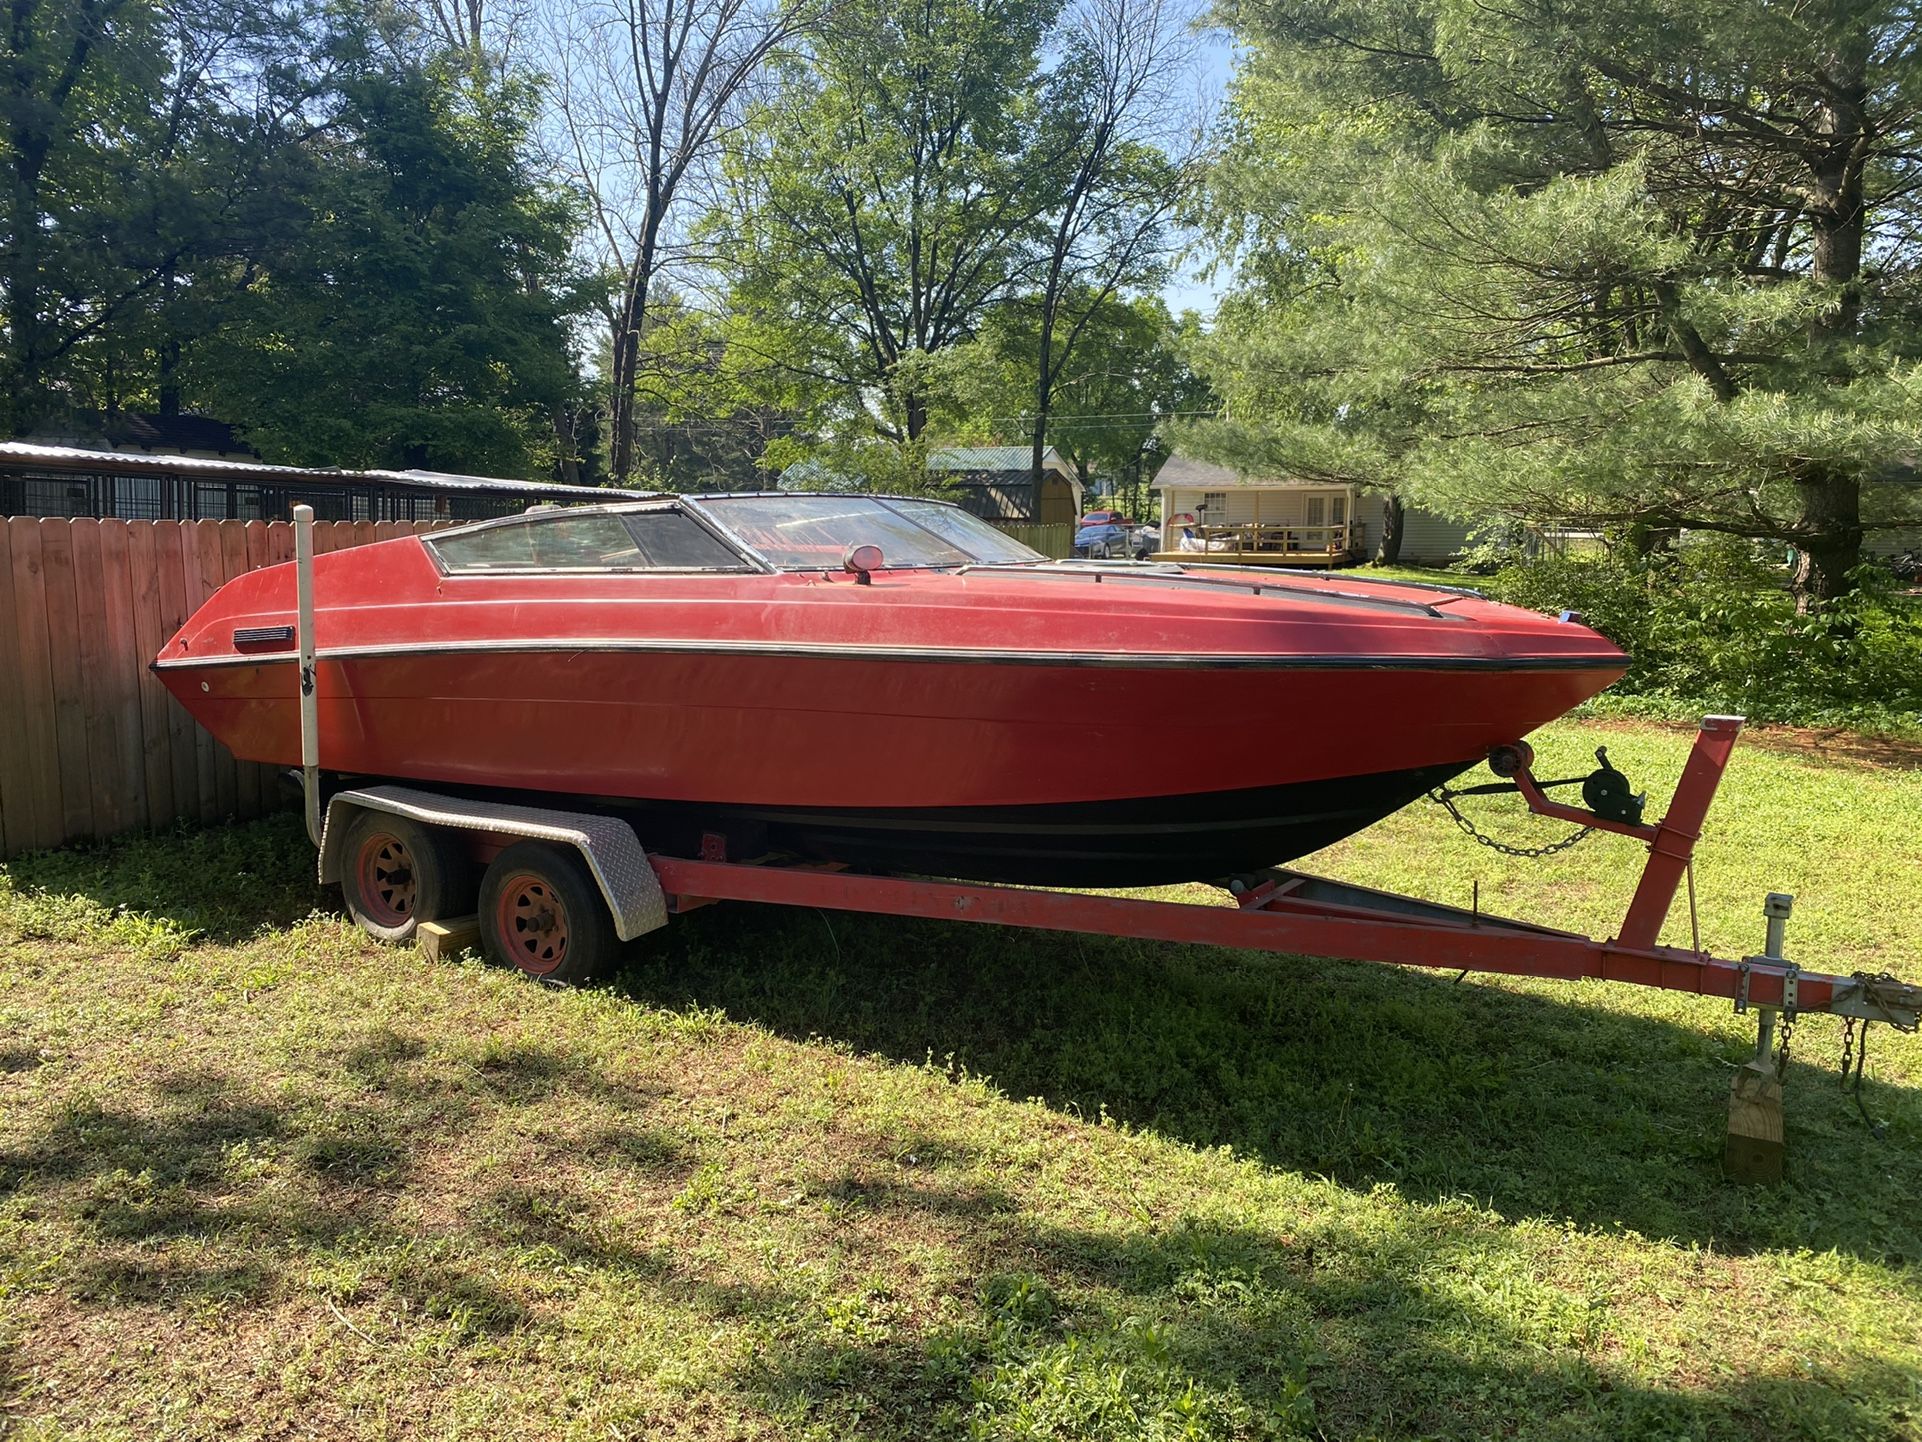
(1214, 501)
(1317, 511)
(1338, 510)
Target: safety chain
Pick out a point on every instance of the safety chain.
(1782, 1055)
(1856, 1048)
(1442, 797)
(1854, 1088)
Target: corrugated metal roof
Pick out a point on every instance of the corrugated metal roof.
(72, 458)
(988, 458)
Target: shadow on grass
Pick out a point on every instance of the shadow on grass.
(1209, 1331)
(223, 883)
(204, 1192)
(1533, 1106)
(198, 1187)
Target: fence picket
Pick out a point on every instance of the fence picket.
(144, 594)
(13, 745)
(123, 672)
(182, 762)
(33, 686)
(95, 680)
(69, 693)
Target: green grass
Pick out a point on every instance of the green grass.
(807, 1175)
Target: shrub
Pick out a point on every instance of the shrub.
(1710, 627)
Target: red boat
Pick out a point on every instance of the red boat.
(884, 682)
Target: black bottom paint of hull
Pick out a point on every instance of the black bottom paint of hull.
(1145, 841)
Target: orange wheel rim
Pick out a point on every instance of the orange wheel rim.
(386, 878)
(532, 922)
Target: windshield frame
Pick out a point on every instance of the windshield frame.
(715, 515)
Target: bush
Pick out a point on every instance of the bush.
(1710, 627)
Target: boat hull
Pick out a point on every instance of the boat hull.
(1032, 770)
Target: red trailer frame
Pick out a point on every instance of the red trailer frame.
(1295, 913)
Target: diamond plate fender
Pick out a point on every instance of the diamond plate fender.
(609, 846)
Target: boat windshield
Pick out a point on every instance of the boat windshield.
(813, 532)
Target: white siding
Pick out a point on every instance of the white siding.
(1892, 543)
(1244, 505)
(1426, 539)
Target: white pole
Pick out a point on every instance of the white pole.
(309, 710)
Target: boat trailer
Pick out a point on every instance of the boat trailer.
(1276, 910)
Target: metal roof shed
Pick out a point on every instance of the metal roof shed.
(66, 481)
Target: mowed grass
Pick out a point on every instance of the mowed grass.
(811, 1175)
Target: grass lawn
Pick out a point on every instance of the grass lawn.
(799, 1175)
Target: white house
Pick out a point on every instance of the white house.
(1262, 520)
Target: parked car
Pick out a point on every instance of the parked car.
(1115, 541)
(1102, 541)
(1105, 518)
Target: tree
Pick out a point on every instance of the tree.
(888, 196)
(141, 142)
(1643, 262)
(709, 404)
(1121, 143)
(648, 89)
(1126, 379)
(418, 317)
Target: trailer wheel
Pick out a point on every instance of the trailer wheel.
(397, 873)
(541, 912)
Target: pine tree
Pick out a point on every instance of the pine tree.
(1648, 263)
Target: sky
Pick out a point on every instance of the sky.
(1189, 289)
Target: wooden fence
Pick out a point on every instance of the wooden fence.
(1050, 538)
(91, 744)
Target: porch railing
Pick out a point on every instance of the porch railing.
(1265, 538)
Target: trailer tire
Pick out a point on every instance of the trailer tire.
(396, 873)
(541, 913)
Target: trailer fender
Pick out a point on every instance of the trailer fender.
(608, 845)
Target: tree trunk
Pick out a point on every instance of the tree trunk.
(168, 360)
(620, 401)
(627, 350)
(1394, 516)
(1037, 462)
(1829, 521)
(23, 296)
(1831, 544)
(567, 461)
(1043, 402)
(1646, 536)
